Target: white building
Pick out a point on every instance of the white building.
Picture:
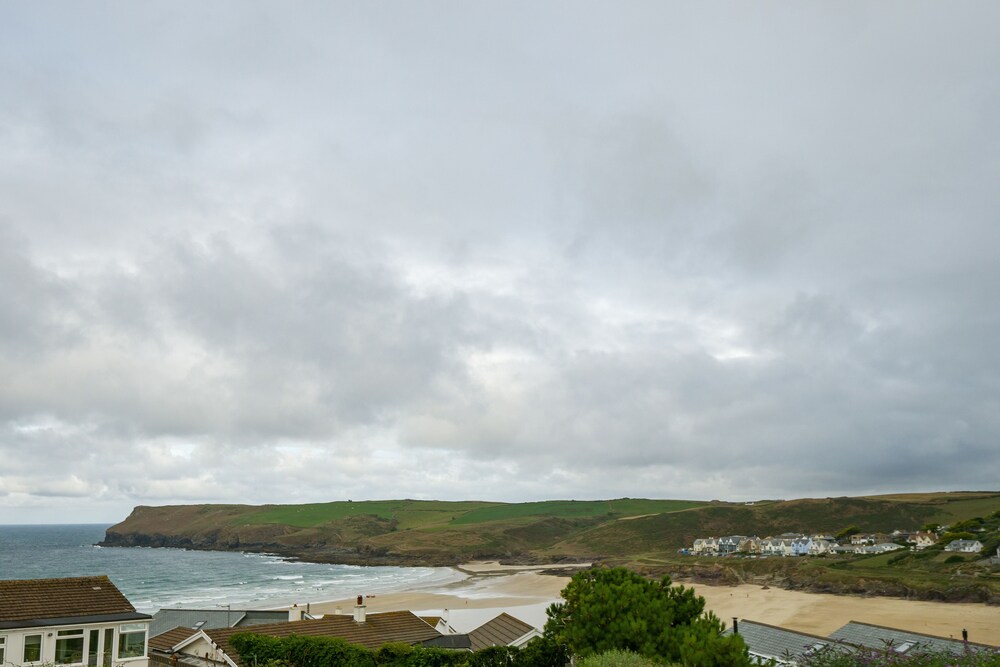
(965, 546)
(74, 621)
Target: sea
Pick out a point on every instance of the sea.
(155, 579)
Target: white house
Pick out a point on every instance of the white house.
(820, 546)
(73, 621)
(923, 539)
(777, 546)
(965, 546)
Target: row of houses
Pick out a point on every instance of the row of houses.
(796, 544)
(87, 621)
(816, 545)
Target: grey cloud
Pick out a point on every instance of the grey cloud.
(507, 251)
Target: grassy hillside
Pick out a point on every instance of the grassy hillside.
(447, 531)
(407, 513)
(639, 532)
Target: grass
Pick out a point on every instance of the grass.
(408, 513)
(575, 509)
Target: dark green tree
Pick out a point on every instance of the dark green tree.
(847, 532)
(616, 609)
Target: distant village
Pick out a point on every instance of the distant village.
(798, 544)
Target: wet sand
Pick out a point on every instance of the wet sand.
(501, 588)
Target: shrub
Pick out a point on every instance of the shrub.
(542, 652)
(618, 659)
(494, 656)
(914, 658)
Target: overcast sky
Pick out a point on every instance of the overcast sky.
(258, 252)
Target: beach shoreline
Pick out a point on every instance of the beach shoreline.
(525, 592)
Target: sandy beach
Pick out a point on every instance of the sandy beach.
(525, 592)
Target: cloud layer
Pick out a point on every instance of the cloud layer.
(512, 251)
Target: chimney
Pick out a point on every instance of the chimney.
(359, 610)
(736, 626)
(294, 613)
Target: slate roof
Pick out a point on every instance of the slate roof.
(378, 629)
(454, 642)
(879, 637)
(26, 603)
(166, 619)
(500, 631)
(770, 641)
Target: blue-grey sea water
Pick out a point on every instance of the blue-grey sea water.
(156, 578)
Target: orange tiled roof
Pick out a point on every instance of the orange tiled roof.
(378, 629)
(167, 640)
(38, 599)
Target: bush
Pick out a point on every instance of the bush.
(955, 558)
(618, 659)
(542, 652)
(494, 656)
(914, 658)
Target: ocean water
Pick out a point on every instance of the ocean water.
(157, 578)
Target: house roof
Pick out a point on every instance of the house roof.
(46, 602)
(166, 619)
(455, 642)
(880, 637)
(165, 641)
(770, 641)
(963, 544)
(502, 630)
(378, 629)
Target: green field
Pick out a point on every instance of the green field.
(573, 509)
(409, 513)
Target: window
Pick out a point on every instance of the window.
(3, 645)
(69, 646)
(132, 640)
(32, 648)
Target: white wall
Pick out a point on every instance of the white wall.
(14, 644)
